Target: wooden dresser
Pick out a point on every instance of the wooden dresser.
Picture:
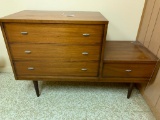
(71, 46)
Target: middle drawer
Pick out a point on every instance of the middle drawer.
(55, 52)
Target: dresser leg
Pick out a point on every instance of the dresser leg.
(130, 90)
(36, 88)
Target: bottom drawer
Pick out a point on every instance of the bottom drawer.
(128, 70)
(81, 69)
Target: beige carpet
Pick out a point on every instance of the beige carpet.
(69, 101)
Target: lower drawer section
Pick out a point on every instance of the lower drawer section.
(128, 70)
(34, 68)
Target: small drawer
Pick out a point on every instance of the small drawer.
(36, 68)
(54, 33)
(130, 70)
(55, 52)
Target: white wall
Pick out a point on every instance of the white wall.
(123, 15)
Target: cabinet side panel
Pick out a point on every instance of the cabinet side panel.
(155, 42)
(145, 20)
(152, 90)
(102, 51)
(152, 24)
(149, 36)
(158, 107)
(8, 49)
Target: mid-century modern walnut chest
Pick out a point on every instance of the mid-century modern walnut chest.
(66, 46)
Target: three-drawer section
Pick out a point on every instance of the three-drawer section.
(55, 49)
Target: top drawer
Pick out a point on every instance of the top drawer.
(54, 33)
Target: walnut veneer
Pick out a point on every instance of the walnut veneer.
(71, 46)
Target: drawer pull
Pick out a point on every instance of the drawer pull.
(24, 33)
(128, 70)
(30, 68)
(71, 15)
(27, 52)
(85, 53)
(86, 34)
(84, 69)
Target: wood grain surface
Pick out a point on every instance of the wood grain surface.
(54, 33)
(127, 51)
(55, 53)
(131, 70)
(145, 20)
(152, 23)
(57, 68)
(56, 17)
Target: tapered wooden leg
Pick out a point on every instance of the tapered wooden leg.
(130, 90)
(36, 88)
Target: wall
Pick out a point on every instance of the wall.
(7, 7)
(123, 15)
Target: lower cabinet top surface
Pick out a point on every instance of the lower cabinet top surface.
(127, 51)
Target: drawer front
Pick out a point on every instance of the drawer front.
(54, 52)
(54, 33)
(35, 68)
(128, 70)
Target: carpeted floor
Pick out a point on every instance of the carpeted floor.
(69, 101)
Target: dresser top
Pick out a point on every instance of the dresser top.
(127, 51)
(56, 17)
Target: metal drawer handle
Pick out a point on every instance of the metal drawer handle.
(85, 53)
(27, 51)
(71, 15)
(86, 34)
(128, 70)
(24, 33)
(30, 68)
(84, 69)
